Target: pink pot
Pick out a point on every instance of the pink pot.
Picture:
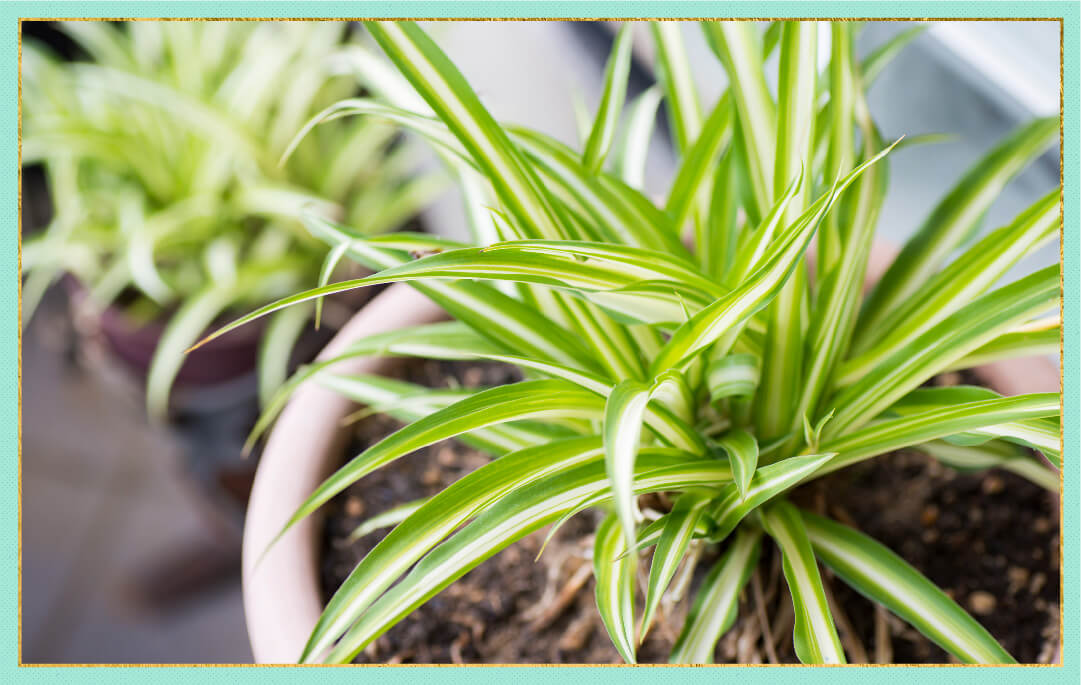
(282, 599)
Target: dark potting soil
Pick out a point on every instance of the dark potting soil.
(989, 539)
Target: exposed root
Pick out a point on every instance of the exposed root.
(763, 620)
(554, 603)
(849, 639)
(883, 641)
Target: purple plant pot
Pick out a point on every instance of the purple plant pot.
(133, 343)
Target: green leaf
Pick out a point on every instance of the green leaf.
(730, 507)
(618, 212)
(486, 310)
(742, 450)
(523, 511)
(615, 88)
(838, 119)
(615, 578)
(194, 317)
(437, 518)
(894, 434)
(966, 278)
(754, 294)
(752, 249)
(624, 413)
(644, 264)
(622, 434)
(673, 539)
(552, 267)
(814, 635)
(185, 110)
(873, 64)
(431, 130)
(183, 328)
(734, 375)
(675, 76)
(795, 107)
(515, 402)
(883, 577)
(140, 252)
(546, 268)
(952, 221)
(723, 228)
(386, 519)
(771, 37)
(812, 435)
(276, 349)
(837, 301)
(964, 331)
(993, 454)
(694, 166)
(630, 163)
(408, 402)
(1039, 434)
(446, 91)
(448, 340)
(737, 46)
(453, 341)
(783, 351)
(717, 603)
(103, 41)
(1037, 338)
(650, 535)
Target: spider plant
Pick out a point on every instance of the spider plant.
(162, 153)
(688, 346)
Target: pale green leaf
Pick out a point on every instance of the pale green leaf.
(730, 507)
(814, 635)
(615, 88)
(952, 221)
(742, 450)
(717, 603)
(674, 537)
(894, 434)
(615, 578)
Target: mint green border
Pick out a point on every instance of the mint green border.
(9, 369)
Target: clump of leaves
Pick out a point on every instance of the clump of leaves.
(724, 373)
(162, 152)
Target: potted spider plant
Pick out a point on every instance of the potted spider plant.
(689, 417)
(161, 149)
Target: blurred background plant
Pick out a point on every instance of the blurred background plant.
(161, 152)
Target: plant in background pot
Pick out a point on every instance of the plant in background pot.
(719, 378)
(162, 152)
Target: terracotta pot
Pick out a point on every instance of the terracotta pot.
(282, 599)
(282, 596)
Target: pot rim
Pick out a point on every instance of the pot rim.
(282, 597)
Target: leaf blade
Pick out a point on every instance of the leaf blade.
(814, 634)
(952, 220)
(616, 74)
(715, 606)
(615, 576)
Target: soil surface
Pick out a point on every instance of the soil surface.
(989, 539)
